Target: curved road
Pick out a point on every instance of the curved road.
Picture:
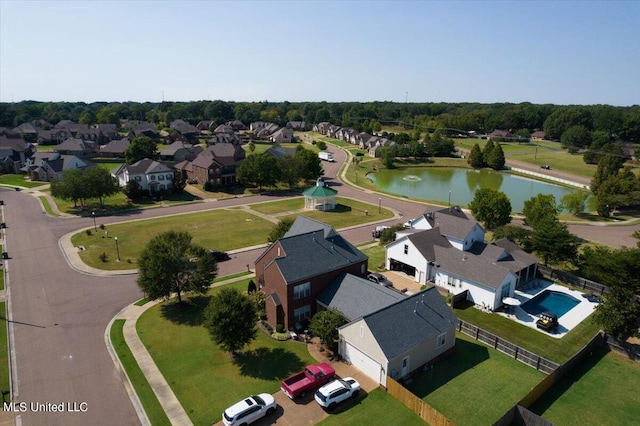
(59, 315)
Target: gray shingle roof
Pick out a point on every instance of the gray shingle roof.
(304, 225)
(478, 269)
(355, 297)
(314, 253)
(426, 240)
(145, 166)
(397, 328)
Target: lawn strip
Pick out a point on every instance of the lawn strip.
(147, 398)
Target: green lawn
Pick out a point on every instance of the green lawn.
(319, 137)
(46, 205)
(231, 276)
(348, 212)
(19, 180)
(214, 229)
(370, 409)
(1, 281)
(557, 350)
(376, 257)
(109, 164)
(205, 379)
(559, 160)
(476, 385)
(272, 207)
(148, 399)
(4, 353)
(603, 390)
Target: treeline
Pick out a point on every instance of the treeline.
(521, 119)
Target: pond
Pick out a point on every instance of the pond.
(460, 185)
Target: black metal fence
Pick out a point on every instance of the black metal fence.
(506, 347)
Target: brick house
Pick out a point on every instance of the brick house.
(295, 269)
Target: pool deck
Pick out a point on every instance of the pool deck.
(565, 323)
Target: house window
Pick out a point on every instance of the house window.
(451, 281)
(137, 178)
(169, 177)
(152, 177)
(301, 314)
(406, 249)
(160, 177)
(301, 291)
(441, 340)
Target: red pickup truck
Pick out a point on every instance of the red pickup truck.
(311, 378)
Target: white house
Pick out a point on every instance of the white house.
(150, 175)
(446, 248)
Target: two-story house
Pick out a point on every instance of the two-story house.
(149, 174)
(297, 267)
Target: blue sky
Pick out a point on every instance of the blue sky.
(571, 52)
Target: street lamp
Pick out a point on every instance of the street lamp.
(449, 198)
(94, 221)
(379, 204)
(117, 248)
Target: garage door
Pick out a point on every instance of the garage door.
(362, 362)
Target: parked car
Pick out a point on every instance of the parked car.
(545, 166)
(378, 231)
(249, 410)
(548, 321)
(310, 379)
(220, 256)
(337, 391)
(379, 279)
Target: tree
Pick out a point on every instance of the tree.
(321, 145)
(575, 137)
(388, 156)
(619, 313)
(496, 158)
(540, 208)
(140, 148)
(252, 147)
(281, 228)
(553, 242)
(87, 117)
(486, 150)
(132, 190)
(99, 183)
(492, 207)
(70, 187)
(388, 235)
(574, 202)
(324, 324)
(251, 287)
(513, 233)
(178, 184)
(230, 319)
(475, 159)
(261, 170)
(170, 263)
(607, 166)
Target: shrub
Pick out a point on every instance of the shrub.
(103, 257)
(88, 231)
(279, 328)
(281, 336)
(101, 226)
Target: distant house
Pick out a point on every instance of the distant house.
(28, 131)
(297, 267)
(92, 134)
(204, 125)
(375, 148)
(359, 139)
(150, 175)
(48, 166)
(283, 135)
(262, 129)
(53, 136)
(180, 151)
(189, 131)
(217, 138)
(77, 147)
(110, 131)
(446, 248)
(215, 165)
(14, 152)
(345, 133)
(538, 135)
(500, 135)
(297, 125)
(223, 128)
(115, 148)
(400, 338)
(142, 129)
(237, 125)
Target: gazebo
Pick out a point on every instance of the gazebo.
(320, 197)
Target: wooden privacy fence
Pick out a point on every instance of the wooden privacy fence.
(628, 349)
(418, 406)
(506, 347)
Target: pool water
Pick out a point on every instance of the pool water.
(550, 301)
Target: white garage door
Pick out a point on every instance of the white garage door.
(362, 362)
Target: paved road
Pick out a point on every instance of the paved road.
(60, 315)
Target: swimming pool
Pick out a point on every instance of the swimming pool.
(550, 301)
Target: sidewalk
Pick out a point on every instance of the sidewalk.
(130, 314)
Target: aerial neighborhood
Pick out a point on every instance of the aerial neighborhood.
(258, 265)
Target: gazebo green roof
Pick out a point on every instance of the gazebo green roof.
(320, 191)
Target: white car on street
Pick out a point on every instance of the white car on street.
(249, 410)
(337, 391)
